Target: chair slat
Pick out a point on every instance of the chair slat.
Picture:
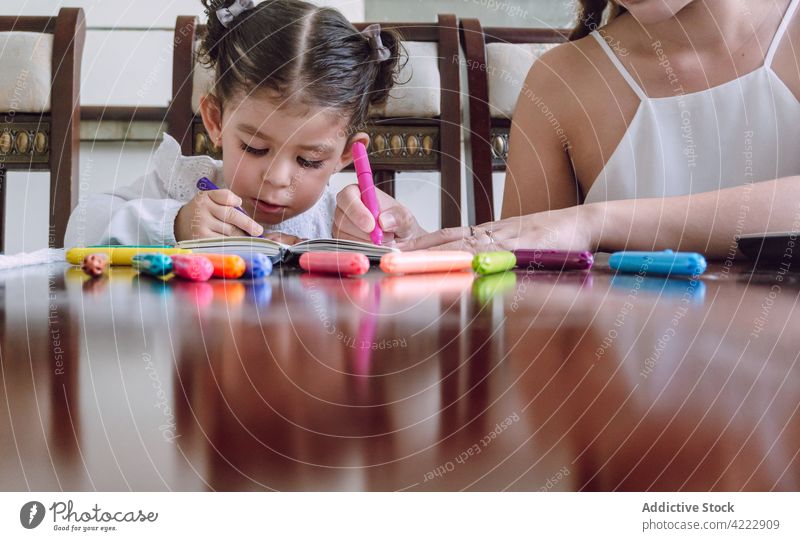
(488, 134)
(50, 141)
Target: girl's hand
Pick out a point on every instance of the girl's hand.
(574, 228)
(213, 214)
(354, 221)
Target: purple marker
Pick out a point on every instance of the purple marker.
(554, 259)
(205, 185)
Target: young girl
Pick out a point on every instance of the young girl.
(675, 125)
(292, 90)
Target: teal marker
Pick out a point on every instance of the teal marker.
(152, 264)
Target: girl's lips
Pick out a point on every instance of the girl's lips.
(269, 208)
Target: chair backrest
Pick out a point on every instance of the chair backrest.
(497, 60)
(40, 107)
(419, 128)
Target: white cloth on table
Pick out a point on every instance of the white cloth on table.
(39, 257)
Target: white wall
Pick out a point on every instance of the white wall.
(532, 13)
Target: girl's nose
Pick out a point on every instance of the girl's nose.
(278, 176)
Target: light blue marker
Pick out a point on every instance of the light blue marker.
(666, 262)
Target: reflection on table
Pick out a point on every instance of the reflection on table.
(520, 381)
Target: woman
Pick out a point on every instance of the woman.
(677, 124)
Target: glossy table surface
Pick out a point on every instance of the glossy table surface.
(533, 381)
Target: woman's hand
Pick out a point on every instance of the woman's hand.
(213, 214)
(574, 228)
(354, 221)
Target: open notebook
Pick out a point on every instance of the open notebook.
(284, 252)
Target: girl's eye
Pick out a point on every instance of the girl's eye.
(309, 164)
(254, 151)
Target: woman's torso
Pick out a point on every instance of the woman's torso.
(640, 128)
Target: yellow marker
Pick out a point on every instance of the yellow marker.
(122, 255)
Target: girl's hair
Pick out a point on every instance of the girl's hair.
(301, 52)
(590, 16)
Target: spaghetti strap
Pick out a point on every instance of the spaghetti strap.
(776, 41)
(624, 72)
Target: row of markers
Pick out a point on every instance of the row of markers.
(197, 268)
(665, 262)
(200, 268)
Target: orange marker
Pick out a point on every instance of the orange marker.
(426, 261)
(334, 262)
(192, 267)
(226, 265)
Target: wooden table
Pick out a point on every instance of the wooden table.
(534, 381)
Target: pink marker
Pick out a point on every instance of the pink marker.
(367, 188)
(192, 267)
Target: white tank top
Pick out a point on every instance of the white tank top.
(745, 130)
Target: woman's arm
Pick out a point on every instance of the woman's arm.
(704, 222)
(539, 174)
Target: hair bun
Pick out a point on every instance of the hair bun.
(388, 62)
(211, 39)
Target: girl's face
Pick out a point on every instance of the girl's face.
(653, 11)
(277, 159)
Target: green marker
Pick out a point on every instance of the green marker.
(493, 262)
(486, 287)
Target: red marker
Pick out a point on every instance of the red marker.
(334, 262)
(192, 267)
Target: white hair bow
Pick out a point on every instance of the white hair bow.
(380, 52)
(227, 14)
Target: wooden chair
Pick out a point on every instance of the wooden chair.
(40, 107)
(401, 138)
(498, 60)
